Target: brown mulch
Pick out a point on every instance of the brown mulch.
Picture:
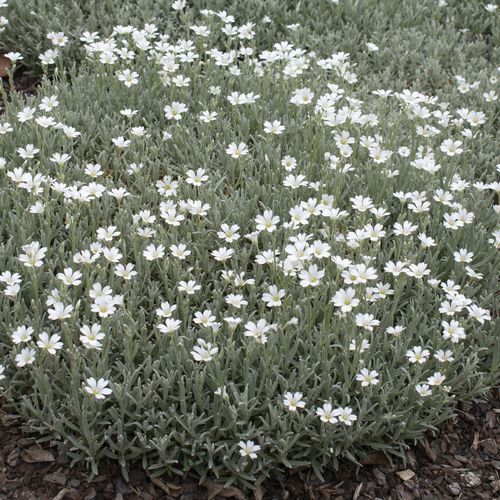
(461, 461)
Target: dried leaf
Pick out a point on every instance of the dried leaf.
(171, 489)
(5, 65)
(405, 475)
(37, 455)
(431, 454)
(218, 489)
(376, 458)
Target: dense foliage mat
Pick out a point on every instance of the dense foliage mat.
(228, 253)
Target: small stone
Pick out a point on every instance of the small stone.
(471, 479)
(74, 483)
(405, 475)
(495, 486)
(490, 447)
(454, 488)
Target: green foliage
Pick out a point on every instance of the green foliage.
(166, 409)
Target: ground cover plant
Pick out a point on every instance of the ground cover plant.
(237, 254)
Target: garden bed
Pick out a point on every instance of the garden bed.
(234, 250)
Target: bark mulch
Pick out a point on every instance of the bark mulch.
(461, 461)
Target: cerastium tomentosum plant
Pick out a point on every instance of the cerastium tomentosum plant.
(235, 258)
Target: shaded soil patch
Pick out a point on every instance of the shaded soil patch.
(25, 83)
(461, 461)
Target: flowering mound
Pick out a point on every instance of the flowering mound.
(236, 260)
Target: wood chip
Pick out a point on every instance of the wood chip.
(491, 418)
(13, 457)
(37, 455)
(377, 458)
(357, 491)
(55, 478)
(475, 441)
(406, 474)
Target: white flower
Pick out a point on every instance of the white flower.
(258, 330)
(98, 388)
(204, 351)
(169, 326)
(267, 221)
(366, 321)
(121, 142)
(50, 344)
(175, 110)
(91, 336)
(25, 357)
(22, 334)
(33, 254)
(345, 415)
(70, 277)
(229, 234)
(178, 4)
(453, 331)
(60, 312)
(273, 296)
(417, 355)
(345, 299)
(423, 390)
(326, 414)
(128, 77)
(367, 377)
(302, 97)
(180, 251)
(196, 178)
(153, 252)
(248, 449)
(237, 150)
(103, 306)
(27, 152)
(436, 379)
(312, 276)
(189, 287)
(293, 401)
(222, 254)
(273, 128)
(451, 147)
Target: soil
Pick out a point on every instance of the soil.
(25, 83)
(461, 461)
